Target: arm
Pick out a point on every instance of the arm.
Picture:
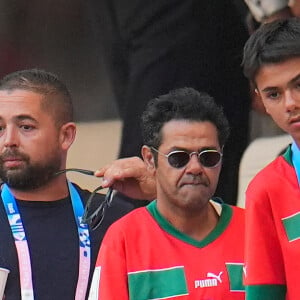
(265, 277)
(130, 177)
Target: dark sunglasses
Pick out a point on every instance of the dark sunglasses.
(92, 217)
(209, 158)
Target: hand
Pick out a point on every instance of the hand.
(281, 14)
(130, 177)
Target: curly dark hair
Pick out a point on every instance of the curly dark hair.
(181, 104)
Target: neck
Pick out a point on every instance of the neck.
(196, 224)
(55, 189)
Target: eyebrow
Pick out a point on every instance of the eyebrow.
(269, 89)
(296, 78)
(22, 118)
(25, 118)
(272, 88)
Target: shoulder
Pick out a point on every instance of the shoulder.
(229, 210)
(276, 178)
(274, 170)
(133, 223)
(237, 214)
(261, 182)
(85, 194)
(238, 210)
(137, 216)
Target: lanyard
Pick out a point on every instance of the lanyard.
(19, 235)
(296, 159)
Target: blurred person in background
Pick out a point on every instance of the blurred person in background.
(153, 47)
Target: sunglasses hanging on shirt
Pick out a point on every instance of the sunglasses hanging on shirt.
(92, 217)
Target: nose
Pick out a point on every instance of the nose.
(290, 100)
(10, 138)
(194, 166)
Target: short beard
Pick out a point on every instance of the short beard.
(31, 176)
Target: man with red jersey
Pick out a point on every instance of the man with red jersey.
(272, 63)
(184, 244)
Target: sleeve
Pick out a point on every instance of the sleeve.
(110, 275)
(265, 8)
(264, 278)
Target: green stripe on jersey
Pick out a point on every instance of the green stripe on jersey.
(288, 155)
(292, 226)
(266, 292)
(157, 284)
(223, 222)
(235, 274)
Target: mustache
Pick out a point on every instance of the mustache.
(13, 154)
(195, 179)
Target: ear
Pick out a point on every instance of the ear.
(148, 159)
(257, 102)
(67, 135)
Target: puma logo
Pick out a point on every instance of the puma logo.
(211, 280)
(212, 275)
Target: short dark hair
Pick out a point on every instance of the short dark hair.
(57, 99)
(182, 104)
(273, 42)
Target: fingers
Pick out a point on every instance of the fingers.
(129, 176)
(121, 169)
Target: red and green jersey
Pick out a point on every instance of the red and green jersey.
(144, 257)
(273, 233)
